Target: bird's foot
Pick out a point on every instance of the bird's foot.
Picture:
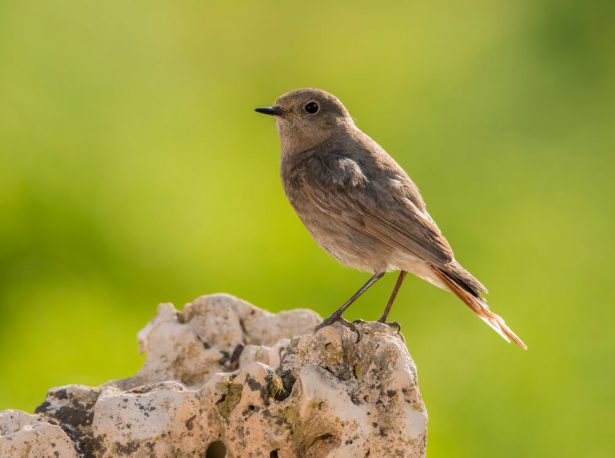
(392, 324)
(339, 319)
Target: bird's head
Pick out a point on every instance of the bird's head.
(306, 118)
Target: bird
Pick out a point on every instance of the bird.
(361, 206)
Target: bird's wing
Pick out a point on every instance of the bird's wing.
(378, 207)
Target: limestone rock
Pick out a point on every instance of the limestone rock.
(224, 378)
(27, 435)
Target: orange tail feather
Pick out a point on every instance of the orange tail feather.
(479, 306)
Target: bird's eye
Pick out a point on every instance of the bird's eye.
(312, 108)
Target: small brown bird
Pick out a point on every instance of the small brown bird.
(362, 207)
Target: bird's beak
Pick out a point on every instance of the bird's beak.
(273, 111)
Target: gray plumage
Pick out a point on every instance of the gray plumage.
(359, 204)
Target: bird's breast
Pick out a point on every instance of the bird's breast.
(344, 242)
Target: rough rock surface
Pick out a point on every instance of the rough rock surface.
(224, 378)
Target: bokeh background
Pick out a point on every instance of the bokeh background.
(133, 171)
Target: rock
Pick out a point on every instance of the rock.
(27, 435)
(224, 378)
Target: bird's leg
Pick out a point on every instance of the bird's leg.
(387, 309)
(337, 315)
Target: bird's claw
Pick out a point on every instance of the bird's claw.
(335, 318)
(392, 324)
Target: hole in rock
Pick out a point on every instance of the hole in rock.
(273, 454)
(216, 449)
(288, 380)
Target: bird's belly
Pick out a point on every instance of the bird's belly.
(349, 246)
(418, 267)
(364, 252)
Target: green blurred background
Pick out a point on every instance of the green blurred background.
(133, 171)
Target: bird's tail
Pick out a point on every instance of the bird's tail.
(478, 305)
